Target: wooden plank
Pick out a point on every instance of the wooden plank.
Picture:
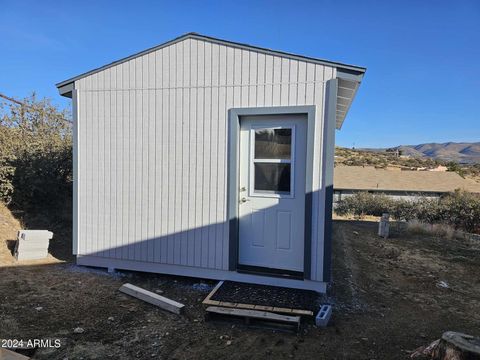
(246, 306)
(211, 302)
(228, 304)
(152, 298)
(282, 310)
(254, 314)
(302, 312)
(209, 296)
(6, 354)
(263, 307)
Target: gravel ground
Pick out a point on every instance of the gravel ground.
(389, 298)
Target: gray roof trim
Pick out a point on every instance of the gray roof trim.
(352, 68)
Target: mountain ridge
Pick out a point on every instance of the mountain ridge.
(460, 152)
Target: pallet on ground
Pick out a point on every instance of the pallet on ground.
(255, 315)
(208, 301)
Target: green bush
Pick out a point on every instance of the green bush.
(403, 210)
(364, 203)
(35, 155)
(459, 209)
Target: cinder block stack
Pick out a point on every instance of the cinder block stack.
(32, 244)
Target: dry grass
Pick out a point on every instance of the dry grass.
(439, 230)
(9, 226)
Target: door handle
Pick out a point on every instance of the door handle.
(243, 200)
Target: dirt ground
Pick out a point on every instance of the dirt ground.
(386, 296)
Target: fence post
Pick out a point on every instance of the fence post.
(384, 226)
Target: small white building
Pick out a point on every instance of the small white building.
(208, 158)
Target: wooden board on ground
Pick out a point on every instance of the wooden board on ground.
(255, 315)
(6, 354)
(152, 298)
(208, 301)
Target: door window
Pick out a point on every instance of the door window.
(271, 161)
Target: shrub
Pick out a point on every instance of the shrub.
(35, 155)
(459, 209)
(403, 209)
(462, 210)
(363, 203)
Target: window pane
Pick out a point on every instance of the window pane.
(273, 143)
(272, 177)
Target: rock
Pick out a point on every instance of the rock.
(38, 308)
(201, 287)
(229, 342)
(452, 346)
(442, 284)
(111, 318)
(78, 330)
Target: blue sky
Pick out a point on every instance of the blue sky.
(423, 57)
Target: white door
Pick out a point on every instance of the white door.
(272, 191)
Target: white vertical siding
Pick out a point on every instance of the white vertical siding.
(153, 149)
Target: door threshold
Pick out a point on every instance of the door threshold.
(264, 271)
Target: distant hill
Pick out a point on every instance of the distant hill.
(465, 153)
(419, 157)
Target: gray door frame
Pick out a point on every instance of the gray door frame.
(234, 117)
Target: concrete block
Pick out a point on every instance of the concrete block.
(323, 316)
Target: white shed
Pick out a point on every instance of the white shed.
(209, 158)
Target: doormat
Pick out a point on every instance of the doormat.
(265, 297)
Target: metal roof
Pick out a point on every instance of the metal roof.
(358, 70)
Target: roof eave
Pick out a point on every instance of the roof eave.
(348, 84)
(358, 70)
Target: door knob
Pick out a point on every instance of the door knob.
(243, 200)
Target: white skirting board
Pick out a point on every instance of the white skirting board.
(198, 272)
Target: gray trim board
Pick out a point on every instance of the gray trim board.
(349, 75)
(329, 148)
(75, 132)
(234, 116)
(352, 68)
(198, 272)
(66, 90)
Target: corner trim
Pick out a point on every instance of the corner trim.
(329, 152)
(75, 132)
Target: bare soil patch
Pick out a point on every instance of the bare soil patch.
(386, 296)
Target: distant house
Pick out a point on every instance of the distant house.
(398, 184)
(439, 168)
